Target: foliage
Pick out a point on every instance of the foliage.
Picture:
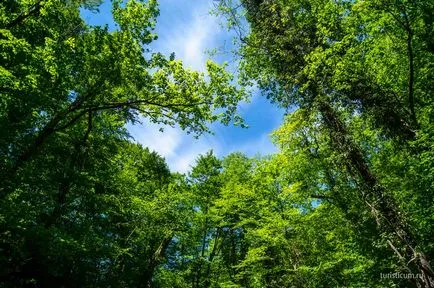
(347, 199)
(355, 74)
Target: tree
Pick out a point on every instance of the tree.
(58, 70)
(327, 59)
(80, 204)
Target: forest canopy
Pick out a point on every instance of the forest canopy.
(347, 201)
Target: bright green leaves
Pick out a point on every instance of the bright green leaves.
(274, 237)
(365, 55)
(77, 198)
(88, 208)
(136, 17)
(189, 98)
(225, 94)
(65, 71)
(350, 69)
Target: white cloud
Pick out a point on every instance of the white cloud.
(201, 33)
(164, 143)
(189, 37)
(187, 155)
(178, 148)
(189, 33)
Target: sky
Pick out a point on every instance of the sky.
(187, 28)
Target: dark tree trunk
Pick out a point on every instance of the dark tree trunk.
(156, 258)
(381, 206)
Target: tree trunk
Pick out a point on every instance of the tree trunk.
(156, 258)
(381, 206)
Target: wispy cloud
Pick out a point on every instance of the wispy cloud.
(187, 154)
(149, 135)
(189, 36)
(198, 39)
(178, 148)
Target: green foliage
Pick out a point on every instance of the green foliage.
(81, 205)
(354, 72)
(347, 198)
(56, 70)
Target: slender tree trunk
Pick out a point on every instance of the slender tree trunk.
(207, 282)
(407, 25)
(156, 258)
(381, 206)
(411, 78)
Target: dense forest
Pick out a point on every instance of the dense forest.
(346, 202)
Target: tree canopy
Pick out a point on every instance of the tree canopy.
(347, 201)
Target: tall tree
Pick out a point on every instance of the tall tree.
(336, 60)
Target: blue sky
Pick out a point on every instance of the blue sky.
(186, 28)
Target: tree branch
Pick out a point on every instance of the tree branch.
(23, 16)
